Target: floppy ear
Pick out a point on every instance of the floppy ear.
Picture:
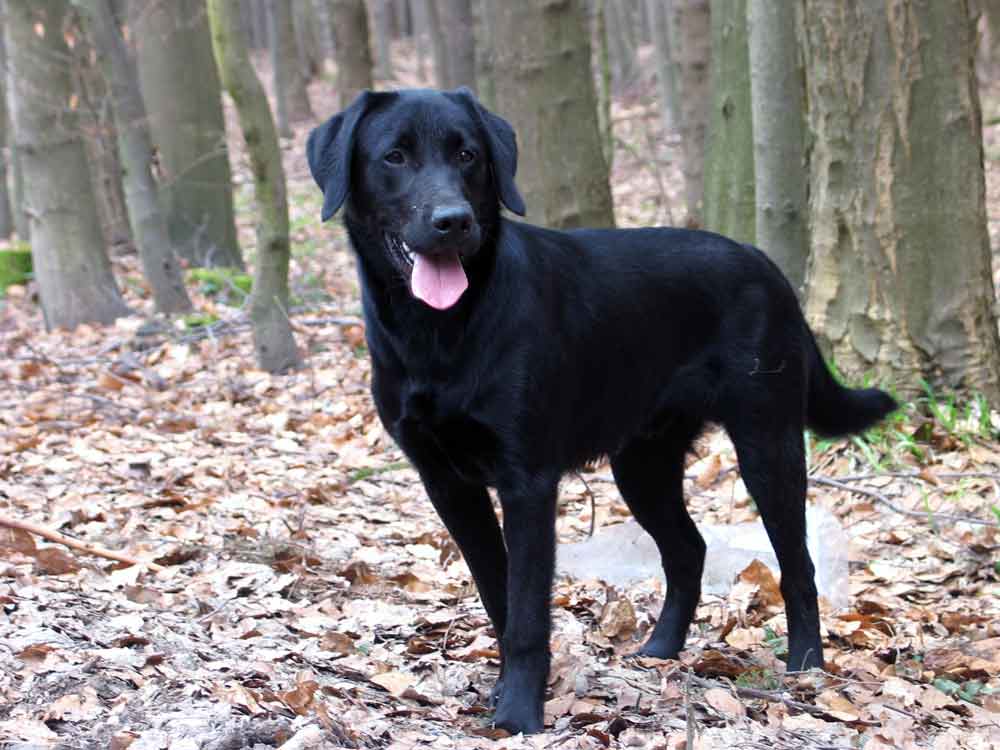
(329, 153)
(503, 149)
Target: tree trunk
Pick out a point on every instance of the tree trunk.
(274, 341)
(404, 21)
(658, 12)
(457, 22)
(354, 59)
(691, 32)
(6, 217)
(779, 156)
(485, 55)
(73, 273)
(621, 43)
(149, 227)
(305, 23)
(180, 86)
(545, 88)
(290, 94)
(729, 173)
(899, 280)
(602, 77)
(381, 14)
(442, 74)
(323, 11)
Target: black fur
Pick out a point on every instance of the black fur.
(564, 347)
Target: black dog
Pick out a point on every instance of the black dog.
(505, 354)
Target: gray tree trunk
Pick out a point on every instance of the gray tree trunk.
(149, 227)
(729, 173)
(180, 85)
(485, 54)
(621, 43)
(381, 22)
(323, 12)
(439, 49)
(658, 12)
(73, 273)
(6, 217)
(899, 280)
(458, 25)
(274, 341)
(777, 84)
(307, 40)
(354, 59)
(602, 77)
(290, 93)
(691, 32)
(545, 88)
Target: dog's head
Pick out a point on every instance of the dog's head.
(424, 172)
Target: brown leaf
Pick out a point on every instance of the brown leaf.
(617, 619)
(725, 703)
(837, 706)
(395, 682)
(758, 574)
(709, 472)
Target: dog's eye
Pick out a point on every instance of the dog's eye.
(466, 156)
(394, 157)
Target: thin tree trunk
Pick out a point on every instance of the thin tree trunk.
(729, 172)
(323, 12)
(545, 88)
(21, 223)
(73, 273)
(691, 32)
(658, 12)
(777, 83)
(180, 85)
(485, 54)
(149, 227)
(307, 40)
(354, 59)
(621, 43)
(442, 75)
(603, 79)
(381, 14)
(457, 21)
(899, 280)
(290, 94)
(6, 217)
(274, 341)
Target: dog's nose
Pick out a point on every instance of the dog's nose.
(452, 221)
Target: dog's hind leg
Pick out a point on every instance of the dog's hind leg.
(650, 474)
(772, 461)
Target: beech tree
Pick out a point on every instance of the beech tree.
(354, 59)
(691, 30)
(180, 86)
(274, 341)
(899, 280)
(149, 227)
(561, 170)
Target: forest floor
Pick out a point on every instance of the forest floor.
(309, 597)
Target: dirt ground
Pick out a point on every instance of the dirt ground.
(308, 597)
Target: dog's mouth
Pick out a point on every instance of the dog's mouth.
(437, 280)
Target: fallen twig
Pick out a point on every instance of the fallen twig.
(881, 498)
(91, 549)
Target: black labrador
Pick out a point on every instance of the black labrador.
(506, 354)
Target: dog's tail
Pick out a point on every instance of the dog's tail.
(833, 410)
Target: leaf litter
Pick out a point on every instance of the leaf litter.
(293, 588)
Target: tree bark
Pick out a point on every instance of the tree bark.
(73, 273)
(621, 43)
(354, 59)
(6, 217)
(149, 227)
(779, 151)
(457, 22)
(381, 22)
(485, 55)
(545, 88)
(658, 12)
(290, 93)
(729, 172)
(442, 74)
(602, 77)
(691, 30)
(274, 341)
(180, 85)
(899, 281)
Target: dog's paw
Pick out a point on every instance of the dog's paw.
(518, 717)
(658, 650)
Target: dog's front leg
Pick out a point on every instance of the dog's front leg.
(529, 510)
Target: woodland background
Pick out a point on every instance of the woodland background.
(185, 385)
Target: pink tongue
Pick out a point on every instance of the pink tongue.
(439, 280)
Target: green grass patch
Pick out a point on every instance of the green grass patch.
(230, 285)
(15, 265)
(371, 471)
